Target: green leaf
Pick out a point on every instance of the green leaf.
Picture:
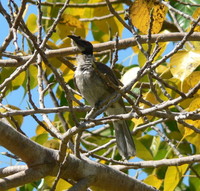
(143, 145)
(155, 145)
(40, 139)
(183, 22)
(31, 23)
(194, 181)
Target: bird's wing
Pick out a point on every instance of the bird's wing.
(109, 75)
(107, 72)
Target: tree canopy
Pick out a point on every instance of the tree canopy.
(55, 139)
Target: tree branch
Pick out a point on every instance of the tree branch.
(122, 44)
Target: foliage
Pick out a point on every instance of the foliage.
(161, 82)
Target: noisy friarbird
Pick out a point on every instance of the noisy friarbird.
(94, 88)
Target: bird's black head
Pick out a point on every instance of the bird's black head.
(85, 46)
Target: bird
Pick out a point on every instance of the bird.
(93, 87)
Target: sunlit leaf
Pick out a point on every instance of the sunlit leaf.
(149, 96)
(79, 1)
(106, 29)
(33, 72)
(191, 137)
(130, 75)
(155, 145)
(14, 120)
(12, 189)
(193, 79)
(164, 72)
(195, 104)
(41, 138)
(61, 185)
(53, 144)
(31, 23)
(154, 181)
(71, 21)
(137, 121)
(183, 63)
(173, 176)
(40, 130)
(19, 80)
(195, 16)
(16, 82)
(140, 15)
(69, 24)
(68, 74)
(188, 133)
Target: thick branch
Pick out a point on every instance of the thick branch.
(23, 147)
(43, 161)
(106, 178)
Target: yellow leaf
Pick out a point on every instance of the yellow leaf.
(40, 130)
(31, 23)
(140, 15)
(195, 104)
(52, 44)
(78, 97)
(55, 62)
(71, 21)
(137, 121)
(33, 71)
(15, 83)
(196, 44)
(105, 29)
(193, 79)
(69, 24)
(188, 133)
(142, 151)
(62, 184)
(103, 161)
(195, 16)
(68, 74)
(12, 189)
(153, 180)
(19, 80)
(149, 96)
(190, 136)
(14, 120)
(142, 58)
(164, 72)
(53, 144)
(183, 63)
(173, 176)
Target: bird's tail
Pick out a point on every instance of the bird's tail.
(124, 139)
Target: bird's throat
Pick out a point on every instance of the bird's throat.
(85, 59)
